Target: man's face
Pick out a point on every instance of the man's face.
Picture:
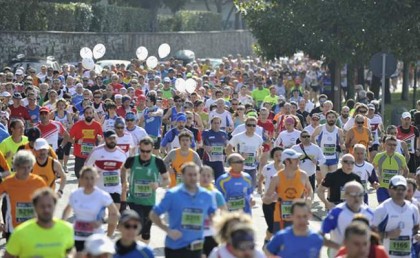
(359, 155)
(111, 141)
(300, 217)
(359, 122)
(190, 177)
(215, 125)
(42, 154)
(357, 245)
(345, 113)
(180, 125)
(406, 122)
(347, 164)
(390, 146)
(43, 116)
(398, 192)
(88, 115)
(354, 197)
(45, 208)
(305, 138)
(410, 192)
(251, 126)
(130, 229)
(185, 142)
(18, 129)
(331, 119)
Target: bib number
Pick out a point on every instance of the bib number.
(142, 189)
(236, 203)
(329, 149)
(24, 211)
(111, 178)
(192, 219)
(217, 150)
(86, 148)
(286, 209)
(83, 229)
(250, 160)
(400, 246)
(386, 177)
(342, 193)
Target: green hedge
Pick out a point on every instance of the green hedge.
(32, 15)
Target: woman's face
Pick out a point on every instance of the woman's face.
(206, 178)
(88, 180)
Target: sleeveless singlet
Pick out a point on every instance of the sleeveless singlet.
(177, 163)
(63, 120)
(109, 123)
(288, 189)
(362, 138)
(46, 171)
(328, 142)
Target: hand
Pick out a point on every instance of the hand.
(394, 233)
(376, 185)
(253, 202)
(174, 234)
(99, 138)
(207, 149)
(329, 205)
(244, 155)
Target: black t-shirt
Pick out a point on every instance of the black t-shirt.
(159, 163)
(335, 181)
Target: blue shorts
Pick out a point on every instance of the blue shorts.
(382, 194)
(331, 162)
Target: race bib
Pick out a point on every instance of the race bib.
(86, 148)
(286, 209)
(342, 193)
(192, 219)
(83, 229)
(24, 211)
(216, 150)
(111, 178)
(400, 246)
(250, 160)
(329, 149)
(386, 177)
(409, 145)
(364, 183)
(236, 203)
(142, 189)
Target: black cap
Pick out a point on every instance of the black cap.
(129, 215)
(109, 133)
(33, 134)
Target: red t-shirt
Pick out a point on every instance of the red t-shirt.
(268, 127)
(19, 113)
(121, 111)
(88, 134)
(376, 251)
(116, 87)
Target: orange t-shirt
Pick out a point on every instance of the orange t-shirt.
(19, 198)
(177, 164)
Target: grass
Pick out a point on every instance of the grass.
(397, 102)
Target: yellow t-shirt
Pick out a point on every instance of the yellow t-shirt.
(9, 145)
(273, 100)
(30, 240)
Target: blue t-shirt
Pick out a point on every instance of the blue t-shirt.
(152, 124)
(236, 191)
(172, 137)
(34, 114)
(139, 251)
(75, 99)
(286, 245)
(216, 140)
(3, 132)
(186, 213)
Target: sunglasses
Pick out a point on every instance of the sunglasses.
(119, 127)
(396, 188)
(251, 125)
(241, 109)
(237, 162)
(129, 120)
(348, 162)
(363, 111)
(97, 97)
(305, 136)
(130, 226)
(360, 123)
(392, 144)
(145, 151)
(234, 104)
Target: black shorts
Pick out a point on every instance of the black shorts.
(66, 149)
(268, 210)
(78, 164)
(413, 163)
(374, 147)
(209, 245)
(157, 140)
(146, 223)
(116, 197)
(182, 253)
(80, 245)
(315, 88)
(312, 181)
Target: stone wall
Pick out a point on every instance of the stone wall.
(65, 46)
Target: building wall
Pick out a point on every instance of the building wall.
(65, 46)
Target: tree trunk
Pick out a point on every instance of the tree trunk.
(387, 91)
(350, 81)
(237, 20)
(337, 87)
(228, 18)
(207, 5)
(153, 23)
(406, 80)
(218, 4)
(361, 75)
(375, 86)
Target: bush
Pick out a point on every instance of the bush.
(197, 21)
(67, 17)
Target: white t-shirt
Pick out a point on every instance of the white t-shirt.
(88, 208)
(126, 142)
(287, 139)
(349, 125)
(209, 102)
(109, 165)
(310, 129)
(226, 118)
(242, 128)
(222, 252)
(249, 146)
(364, 171)
(268, 171)
(314, 152)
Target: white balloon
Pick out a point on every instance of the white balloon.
(151, 62)
(142, 53)
(85, 52)
(190, 85)
(99, 51)
(88, 63)
(164, 50)
(180, 85)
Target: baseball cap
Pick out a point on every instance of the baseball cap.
(6, 94)
(397, 180)
(130, 116)
(181, 117)
(406, 115)
(98, 244)
(166, 79)
(109, 133)
(125, 98)
(44, 109)
(33, 134)
(252, 114)
(17, 95)
(371, 106)
(19, 72)
(119, 121)
(129, 215)
(118, 96)
(41, 144)
(290, 154)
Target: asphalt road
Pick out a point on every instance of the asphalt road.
(158, 236)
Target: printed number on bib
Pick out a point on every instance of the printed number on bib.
(386, 177)
(192, 219)
(83, 229)
(86, 148)
(142, 189)
(236, 203)
(400, 246)
(217, 150)
(342, 193)
(111, 178)
(24, 211)
(250, 160)
(286, 209)
(329, 149)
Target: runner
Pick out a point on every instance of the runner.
(144, 171)
(289, 184)
(224, 115)
(108, 121)
(377, 129)
(62, 116)
(364, 169)
(11, 144)
(171, 139)
(152, 120)
(88, 204)
(32, 134)
(358, 135)
(85, 134)
(410, 134)
(357, 241)
(109, 159)
(44, 235)
(124, 139)
(289, 136)
(50, 130)
(137, 132)
(189, 205)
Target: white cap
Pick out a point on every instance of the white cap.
(19, 72)
(98, 244)
(406, 115)
(118, 96)
(166, 79)
(6, 94)
(41, 144)
(398, 180)
(290, 154)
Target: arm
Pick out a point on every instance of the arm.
(113, 216)
(405, 150)
(124, 184)
(58, 169)
(341, 138)
(315, 134)
(309, 190)
(66, 212)
(349, 138)
(321, 194)
(270, 194)
(229, 149)
(158, 221)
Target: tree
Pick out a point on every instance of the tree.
(175, 6)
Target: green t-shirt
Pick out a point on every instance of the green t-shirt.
(30, 240)
(272, 100)
(8, 145)
(141, 176)
(388, 166)
(167, 94)
(259, 95)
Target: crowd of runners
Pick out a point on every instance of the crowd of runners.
(245, 127)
